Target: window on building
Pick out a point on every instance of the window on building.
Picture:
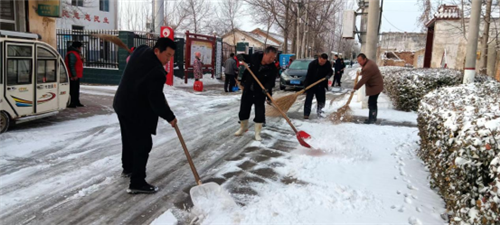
(77, 35)
(7, 15)
(104, 5)
(77, 2)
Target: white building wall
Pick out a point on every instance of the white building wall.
(89, 16)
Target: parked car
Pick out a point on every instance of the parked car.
(34, 80)
(295, 75)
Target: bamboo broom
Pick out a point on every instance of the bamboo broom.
(343, 114)
(286, 102)
(113, 39)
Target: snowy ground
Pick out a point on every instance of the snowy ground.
(67, 170)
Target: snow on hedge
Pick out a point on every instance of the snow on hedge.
(460, 143)
(407, 86)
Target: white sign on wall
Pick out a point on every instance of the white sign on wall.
(349, 24)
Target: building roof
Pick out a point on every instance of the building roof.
(448, 12)
(255, 36)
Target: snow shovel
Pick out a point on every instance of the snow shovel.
(286, 102)
(209, 194)
(301, 135)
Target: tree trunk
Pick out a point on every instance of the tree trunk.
(486, 34)
(285, 31)
(297, 30)
(306, 29)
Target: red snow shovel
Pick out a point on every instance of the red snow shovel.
(301, 135)
(210, 194)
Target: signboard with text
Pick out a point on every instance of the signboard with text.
(169, 67)
(50, 8)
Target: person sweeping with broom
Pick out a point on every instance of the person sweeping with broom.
(317, 70)
(262, 65)
(138, 103)
(372, 79)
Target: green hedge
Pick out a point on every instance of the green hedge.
(459, 129)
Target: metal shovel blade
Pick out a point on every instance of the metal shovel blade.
(211, 195)
(302, 137)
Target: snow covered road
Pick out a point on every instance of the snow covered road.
(66, 169)
(69, 171)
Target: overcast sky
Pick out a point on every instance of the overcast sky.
(398, 16)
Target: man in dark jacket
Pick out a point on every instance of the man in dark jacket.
(139, 101)
(339, 67)
(318, 69)
(74, 63)
(374, 83)
(262, 65)
(230, 69)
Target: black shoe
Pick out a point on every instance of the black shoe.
(369, 122)
(71, 106)
(80, 105)
(264, 125)
(126, 174)
(306, 117)
(145, 188)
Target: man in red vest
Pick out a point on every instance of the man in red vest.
(74, 64)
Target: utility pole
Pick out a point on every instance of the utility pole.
(372, 31)
(470, 57)
(484, 44)
(158, 15)
(364, 22)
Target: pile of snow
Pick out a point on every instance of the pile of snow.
(406, 86)
(460, 142)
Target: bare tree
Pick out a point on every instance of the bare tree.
(198, 11)
(138, 16)
(229, 10)
(176, 14)
(484, 39)
(425, 17)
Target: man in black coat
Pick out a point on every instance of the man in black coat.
(262, 65)
(138, 102)
(318, 69)
(339, 67)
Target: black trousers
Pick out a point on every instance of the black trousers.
(320, 94)
(74, 91)
(229, 83)
(372, 106)
(337, 78)
(136, 145)
(256, 98)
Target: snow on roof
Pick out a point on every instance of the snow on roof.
(261, 39)
(448, 12)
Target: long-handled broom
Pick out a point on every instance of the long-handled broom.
(343, 114)
(113, 39)
(302, 136)
(286, 102)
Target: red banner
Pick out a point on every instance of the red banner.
(169, 67)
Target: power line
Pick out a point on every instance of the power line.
(392, 24)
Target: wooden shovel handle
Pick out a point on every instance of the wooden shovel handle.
(272, 100)
(310, 86)
(188, 156)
